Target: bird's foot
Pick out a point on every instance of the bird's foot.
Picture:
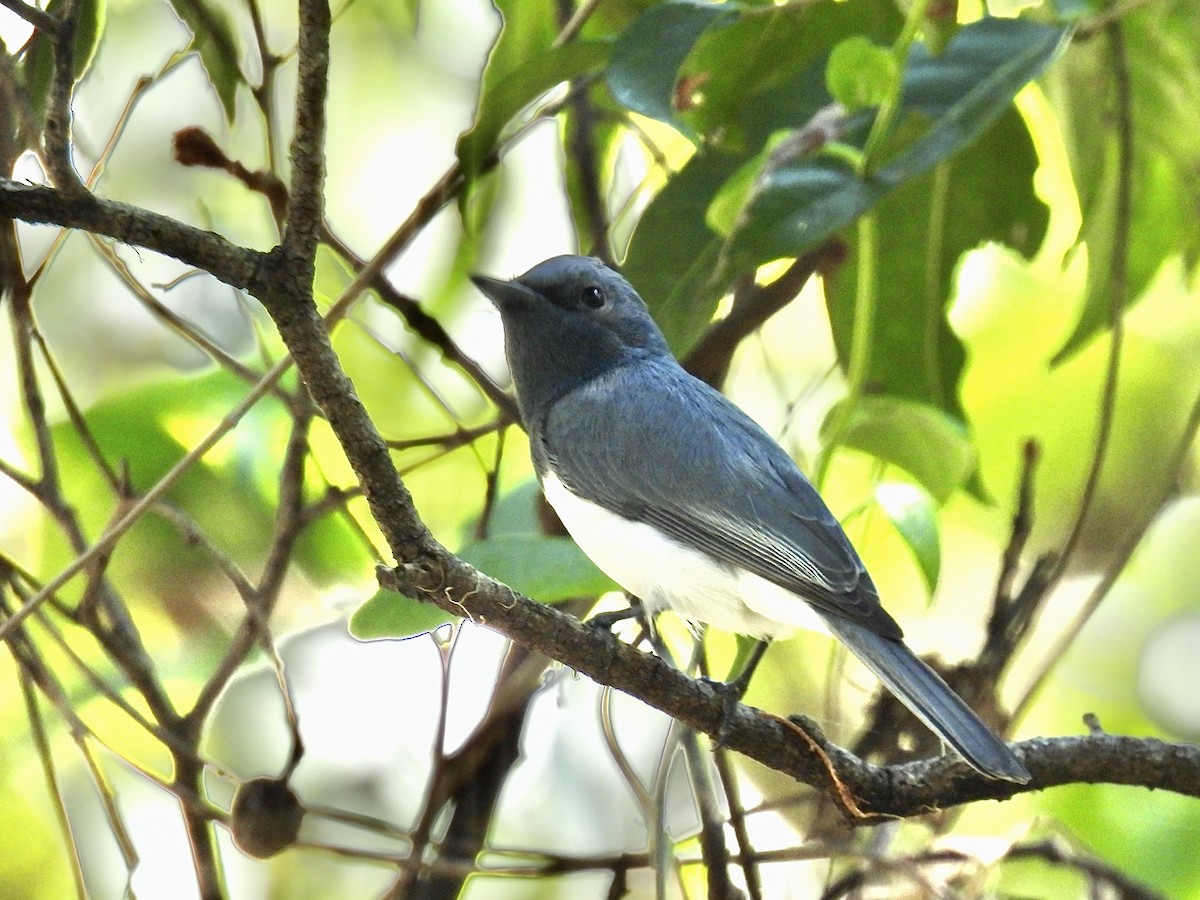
(605, 621)
(730, 693)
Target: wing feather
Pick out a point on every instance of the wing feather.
(692, 464)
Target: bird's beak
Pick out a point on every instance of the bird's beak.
(503, 293)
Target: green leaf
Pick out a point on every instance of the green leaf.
(726, 207)
(215, 41)
(860, 73)
(747, 70)
(923, 441)
(673, 251)
(541, 566)
(648, 55)
(778, 84)
(231, 494)
(528, 29)
(37, 65)
(913, 514)
(333, 275)
(526, 33)
(1165, 77)
(984, 194)
(388, 614)
(506, 95)
(799, 203)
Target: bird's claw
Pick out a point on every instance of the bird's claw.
(730, 693)
(606, 621)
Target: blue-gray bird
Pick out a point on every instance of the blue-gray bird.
(683, 500)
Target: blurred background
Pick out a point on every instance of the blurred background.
(992, 271)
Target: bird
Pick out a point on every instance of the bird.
(685, 501)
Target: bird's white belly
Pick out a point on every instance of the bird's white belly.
(663, 573)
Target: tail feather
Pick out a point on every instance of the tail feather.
(931, 700)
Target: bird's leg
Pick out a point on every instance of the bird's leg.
(606, 620)
(732, 691)
(742, 682)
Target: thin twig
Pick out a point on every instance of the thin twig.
(38, 18)
(176, 322)
(754, 304)
(40, 740)
(1013, 613)
(1115, 566)
(424, 325)
(75, 415)
(737, 821)
(38, 673)
(451, 440)
(1117, 300)
(576, 22)
(260, 600)
(117, 630)
(108, 540)
(264, 92)
(1096, 870)
(1118, 290)
(1022, 525)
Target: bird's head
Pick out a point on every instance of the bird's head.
(566, 321)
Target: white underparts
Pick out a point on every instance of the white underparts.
(664, 573)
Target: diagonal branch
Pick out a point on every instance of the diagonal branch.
(234, 265)
(38, 18)
(898, 790)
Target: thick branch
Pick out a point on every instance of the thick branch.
(234, 265)
(307, 194)
(901, 790)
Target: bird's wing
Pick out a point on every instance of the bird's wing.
(654, 445)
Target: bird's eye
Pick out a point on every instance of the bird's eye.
(593, 297)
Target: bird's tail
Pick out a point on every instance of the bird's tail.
(931, 700)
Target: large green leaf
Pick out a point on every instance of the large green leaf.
(750, 74)
(861, 73)
(913, 514)
(923, 441)
(387, 615)
(797, 203)
(506, 95)
(215, 40)
(985, 193)
(1165, 79)
(545, 567)
(752, 88)
(646, 60)
(526, 34)
(673, 252)
(37, 63)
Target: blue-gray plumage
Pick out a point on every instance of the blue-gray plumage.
(683, 500)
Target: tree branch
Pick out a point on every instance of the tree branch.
(234, 265)
(306, 208)
(753, 305)
(898, 790)
(38, 18)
